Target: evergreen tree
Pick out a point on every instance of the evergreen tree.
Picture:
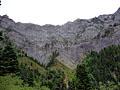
(104, 67)
(8, 60)
(26, 75)
(1, 36)
(54, 79)
(83, 81)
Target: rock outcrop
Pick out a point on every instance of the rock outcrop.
(72, 40)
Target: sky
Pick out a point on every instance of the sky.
(56, 12)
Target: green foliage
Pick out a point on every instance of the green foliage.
(44, 88)
(83, 80)
(12, 83)
(104, 66)
(98, 71)
(1, 36)
(58, 72)
(8, 56)
(29, 62)
(68, 72)
(26, 75)
(51, 78)
(109, 86)
(54, 79)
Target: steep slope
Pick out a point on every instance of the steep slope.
(72, 40)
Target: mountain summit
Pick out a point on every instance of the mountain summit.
(72, 40)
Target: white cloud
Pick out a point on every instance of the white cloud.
(56, 11)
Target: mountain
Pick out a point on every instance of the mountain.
(73, 40)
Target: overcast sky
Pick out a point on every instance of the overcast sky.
(56, 11)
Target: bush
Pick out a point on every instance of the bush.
(12, 83)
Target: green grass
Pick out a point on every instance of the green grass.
(68, 72)
(10, 82)
(33, 65)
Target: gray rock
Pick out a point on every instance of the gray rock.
(72, 40)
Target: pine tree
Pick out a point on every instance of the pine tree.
(83, 81)
(8, 60)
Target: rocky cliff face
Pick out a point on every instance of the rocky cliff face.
(72, 40)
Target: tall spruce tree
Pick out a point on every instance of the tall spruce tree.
(8, 59)
(83, 81)
(9, 62)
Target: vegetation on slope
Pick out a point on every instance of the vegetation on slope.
(27, 72)
(98, 71)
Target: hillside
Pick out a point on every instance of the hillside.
(98, 70)
(72, 40)
(21, 72)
